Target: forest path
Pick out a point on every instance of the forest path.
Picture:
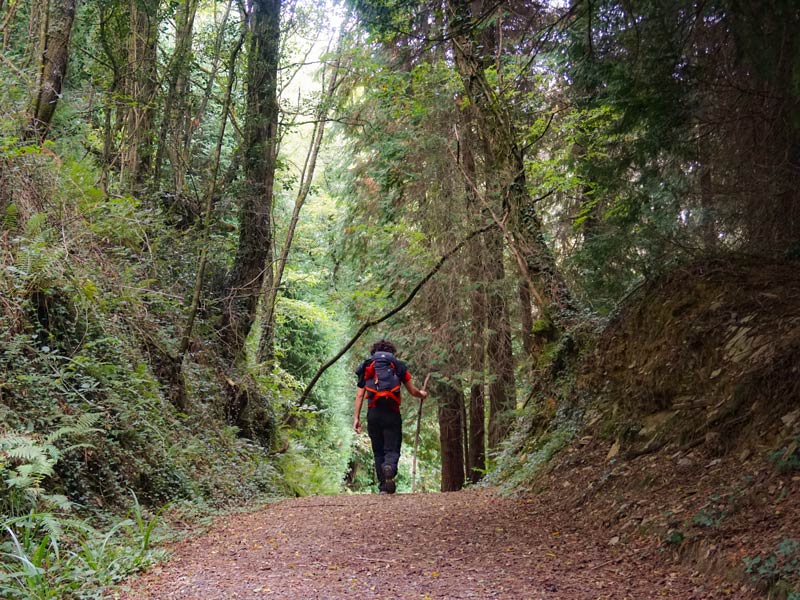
(470, 544)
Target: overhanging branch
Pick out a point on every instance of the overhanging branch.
(366, 325)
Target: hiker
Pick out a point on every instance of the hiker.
(379, 379)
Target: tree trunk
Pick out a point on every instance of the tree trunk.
(252, 268)
(141, 87)
(306, 177)
(537, 265)
(505, 165)
(526, 319)
(172, 121)
(109, 97)
(708, 227)
(7, 25)
(208, 208)
(476, 455)
(476, 463)
(54, 59)
(451, 401)
(502, 388)
(191, 122)
(464, 422)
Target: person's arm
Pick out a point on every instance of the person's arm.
(357, 415)
(412, 389)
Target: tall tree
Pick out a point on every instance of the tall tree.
(502, 392)
(476, 49)
(330, 82)
(476, 429)
(476, 457)
(701, 94)
(252, 267)
(451, 403)
(59, 17)
(140, 89)
(208, 204)
(174, 119)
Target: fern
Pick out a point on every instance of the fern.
(23, 482)
(36, 260)
(10, 219)
(38, 469)
(83, 426)
(26, 460)
(27, 451)
(11, 440)
(36, 225)
(58, 500)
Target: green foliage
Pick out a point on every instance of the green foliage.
(15, 147)
(45, 555)
(306, 332)
(721, 505)
(118, 222)
(26, 460)
(674, 537)
(307, 475)
(783, 563)
(318, 429)
(45, 552)
(361, 476)
(10, 218)
(82, 310)
(709, 517)
(787, 458)
(535, 455)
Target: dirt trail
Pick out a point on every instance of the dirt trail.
(469, 544)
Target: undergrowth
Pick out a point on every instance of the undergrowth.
(777, 570)
(92, 298)
(547, 423)
(46, 549)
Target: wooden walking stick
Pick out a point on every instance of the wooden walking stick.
(416, 439)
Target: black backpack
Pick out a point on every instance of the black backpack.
(385, 383)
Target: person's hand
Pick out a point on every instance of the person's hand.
(423, 394)
(357, 425)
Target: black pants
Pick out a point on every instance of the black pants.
(385, 428)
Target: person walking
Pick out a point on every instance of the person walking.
(380, 378)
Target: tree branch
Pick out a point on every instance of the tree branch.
(394, 311)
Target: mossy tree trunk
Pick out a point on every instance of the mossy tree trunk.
(502, 387)
(53, 62)
(476, 428)
(475, 50)
(140, 90)
(476, 457)
(252, 269)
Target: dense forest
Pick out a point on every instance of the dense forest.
(581, 218)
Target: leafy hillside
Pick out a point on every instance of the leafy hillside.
(677, 429)
(99, 417)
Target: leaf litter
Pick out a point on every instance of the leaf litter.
(469, 544)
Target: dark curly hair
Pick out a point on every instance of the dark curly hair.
(383, 346)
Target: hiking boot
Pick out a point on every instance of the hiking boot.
(388, 479)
